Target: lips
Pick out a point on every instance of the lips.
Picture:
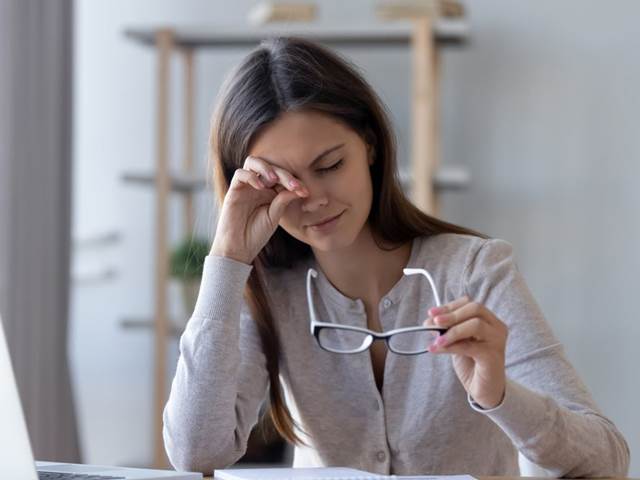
(326, 220)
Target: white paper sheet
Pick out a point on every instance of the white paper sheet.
(336, 473)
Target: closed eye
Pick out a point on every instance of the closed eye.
(331, 168)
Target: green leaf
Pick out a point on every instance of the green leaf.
(187, 258)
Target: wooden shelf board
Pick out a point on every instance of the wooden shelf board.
(445, 178)
(147, 324)
(451, 177)
(446, 31)
(180, 182)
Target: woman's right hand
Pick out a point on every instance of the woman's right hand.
(257, 198)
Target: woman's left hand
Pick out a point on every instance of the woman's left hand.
(476, 338)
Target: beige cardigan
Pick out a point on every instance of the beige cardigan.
(423, 422)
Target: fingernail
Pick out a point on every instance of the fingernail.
(435, 310)
(273, 176)
(441, 341)
(294, 183)
(439, 320)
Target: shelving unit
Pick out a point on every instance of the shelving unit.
(422, 35)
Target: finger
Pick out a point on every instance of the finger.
(279, 205)
(276, 175)
(449, 307)
(468, 348)
(291, 183)
(443, 309)
(429, 322)
(247, 177)
(465, 312)
(262, 168)
(473, 329)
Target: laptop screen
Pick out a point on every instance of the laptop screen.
(16, 457)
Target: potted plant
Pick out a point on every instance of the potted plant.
(186, 264)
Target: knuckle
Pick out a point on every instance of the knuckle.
(483, 328)
(251, 160)
(242, 174)
(475, 307)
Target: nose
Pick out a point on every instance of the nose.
(316, 200)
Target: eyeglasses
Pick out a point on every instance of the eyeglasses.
(338, 338)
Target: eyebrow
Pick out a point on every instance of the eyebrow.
(318, 158)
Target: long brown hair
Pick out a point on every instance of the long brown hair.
(287, 74)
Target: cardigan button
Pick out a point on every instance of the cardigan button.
(381, 456)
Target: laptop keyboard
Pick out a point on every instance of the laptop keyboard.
(73, 476)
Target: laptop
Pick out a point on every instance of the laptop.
(16, 456)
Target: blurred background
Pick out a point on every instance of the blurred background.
(537, 127)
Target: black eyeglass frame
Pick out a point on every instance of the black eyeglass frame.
(371, 336)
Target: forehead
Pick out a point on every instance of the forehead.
(295, 138)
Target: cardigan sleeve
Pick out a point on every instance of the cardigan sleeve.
(221, 376)
(547, 411)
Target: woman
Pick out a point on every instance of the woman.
(306, 172)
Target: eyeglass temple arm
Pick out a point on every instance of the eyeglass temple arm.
(312, 311)
(422, 271)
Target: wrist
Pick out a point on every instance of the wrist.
(491, 402)
(228, 252)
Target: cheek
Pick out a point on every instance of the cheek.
(359, 189)
(352, 187)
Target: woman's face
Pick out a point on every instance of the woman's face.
(332, 162)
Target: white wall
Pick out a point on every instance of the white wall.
(541, 107)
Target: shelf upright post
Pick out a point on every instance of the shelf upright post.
(187, 56)
(164, 41)
(424, 136)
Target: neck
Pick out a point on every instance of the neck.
(364, 270)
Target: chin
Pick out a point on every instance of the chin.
(331, 243)
(327, 245)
